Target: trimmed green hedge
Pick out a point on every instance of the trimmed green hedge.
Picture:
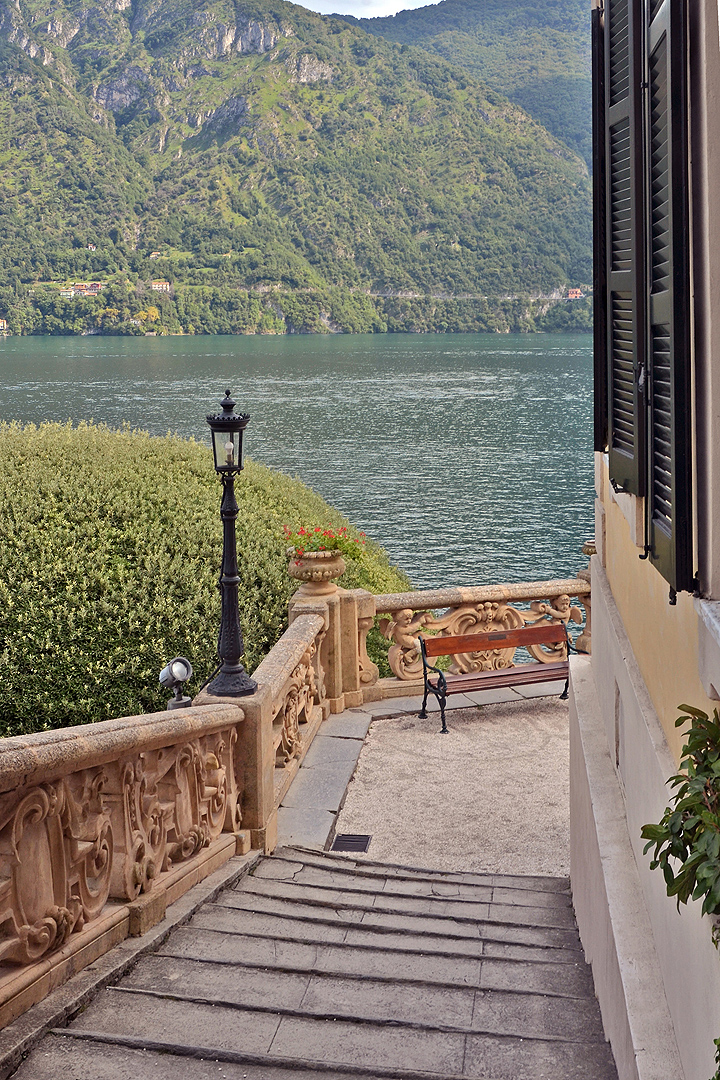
(109, 563)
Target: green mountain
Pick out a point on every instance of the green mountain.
(537, 54)
(284, 171)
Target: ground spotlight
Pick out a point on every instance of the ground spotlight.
(173, 676)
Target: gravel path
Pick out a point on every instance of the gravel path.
(492, 795)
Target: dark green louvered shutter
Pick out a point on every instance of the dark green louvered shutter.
(624, 242)
(669, 503)
(599, 228)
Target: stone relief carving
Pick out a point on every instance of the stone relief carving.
(404, 654)
(168, 804)
(66, 846)
(301, 694)
(56, 853)
(139, 827)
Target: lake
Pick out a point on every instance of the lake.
(467, 456)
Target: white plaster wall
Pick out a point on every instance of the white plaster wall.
(635, 747)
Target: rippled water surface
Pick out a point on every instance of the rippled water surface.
(469, 457)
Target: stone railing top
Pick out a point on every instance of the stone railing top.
(431, 599)
(46, 755)
(284, 657)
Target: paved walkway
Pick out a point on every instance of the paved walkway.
(316, 966)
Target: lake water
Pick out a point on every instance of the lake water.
(467, 456)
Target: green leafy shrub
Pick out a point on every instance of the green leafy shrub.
(687, 838)
(109, 566)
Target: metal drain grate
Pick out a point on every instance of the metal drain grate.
(350, 842)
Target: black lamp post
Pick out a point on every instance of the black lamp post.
(227, 430)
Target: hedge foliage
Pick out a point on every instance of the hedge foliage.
(109, 564)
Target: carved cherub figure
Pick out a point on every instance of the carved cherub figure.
(404, 654)
(403, 629)
(563, 611)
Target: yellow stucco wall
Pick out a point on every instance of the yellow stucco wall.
(664, 637)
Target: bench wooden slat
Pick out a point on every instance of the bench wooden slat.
(544, 633)
(521, 675)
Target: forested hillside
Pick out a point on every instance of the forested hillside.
(537, 54)
(279, 169)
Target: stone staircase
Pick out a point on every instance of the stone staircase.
(317, 965)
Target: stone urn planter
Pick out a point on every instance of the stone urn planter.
(317, 570)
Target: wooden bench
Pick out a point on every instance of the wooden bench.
(441, 684)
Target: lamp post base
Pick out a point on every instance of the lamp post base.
(231, 684)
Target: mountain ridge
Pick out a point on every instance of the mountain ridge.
(538, 55)
(258, 146)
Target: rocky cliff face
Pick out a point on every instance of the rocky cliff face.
(258, 142)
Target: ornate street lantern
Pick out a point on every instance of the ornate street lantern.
(227, 430)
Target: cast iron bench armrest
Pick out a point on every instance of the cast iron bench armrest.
(541, 633)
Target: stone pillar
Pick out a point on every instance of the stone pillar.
(256, 764)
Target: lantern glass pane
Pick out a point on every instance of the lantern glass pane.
(227, 449)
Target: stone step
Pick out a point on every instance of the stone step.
(566, 979)
(386, 898)
(497, 1012)
(365, 874)
(455, 968)
(64, 1057)
(314, 969)
(375, 910)
(221, 1033)
(386, 932)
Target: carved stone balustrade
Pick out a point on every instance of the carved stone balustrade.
(108, 811)
(457, 611)
(293, 670)
(283, 715)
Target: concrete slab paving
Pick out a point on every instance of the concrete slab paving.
(369, 1046)
(490, 697)
(553, 689)
(380, 901)
(180, 1023)
(320, 787)
(325, 750)
(536, 1016)
(284, 909)
(247, 986)
(534, 1059)
(228, 947)
(65, 1058)
(351, 724)
(234, 920)
(563, 980)
(309, 827)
